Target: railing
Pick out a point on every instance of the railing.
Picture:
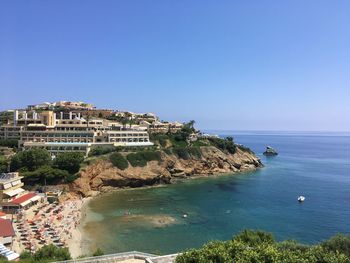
(111, 257)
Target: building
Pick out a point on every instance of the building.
(77, 127)
(69, 131)
(61, 104)
(21, 203)
(10, 186)
(161, 127)
(6, 231)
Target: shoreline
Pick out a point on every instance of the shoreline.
(75, 244)
(173, 181)
(78, 245)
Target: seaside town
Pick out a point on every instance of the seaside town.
(174, 131)
(29, 220)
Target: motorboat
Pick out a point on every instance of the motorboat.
(301, 198)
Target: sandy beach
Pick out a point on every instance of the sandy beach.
(44, 224)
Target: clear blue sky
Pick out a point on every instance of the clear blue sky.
(241, 65)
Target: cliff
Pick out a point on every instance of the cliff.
(101, 175)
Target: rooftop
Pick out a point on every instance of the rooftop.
(6, 228)
(23, 198)
(7, 177)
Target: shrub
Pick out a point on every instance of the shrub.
(52, 253)
(141, 158)
(48, 253)
(182, 153)
(168, 151)
(136, 159)
(226, 144)
(119, 161)
(185, 153)
(254, 238)
(151, 155)
(259, 246)
(99, 150)
(195, 151)
(339, 243)
(244, 148)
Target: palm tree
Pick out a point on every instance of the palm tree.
(191, 124)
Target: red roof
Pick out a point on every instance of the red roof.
(6, 228)
(2, 214)
(23, 198)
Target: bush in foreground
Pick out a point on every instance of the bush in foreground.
(48, 253)
(259, 246)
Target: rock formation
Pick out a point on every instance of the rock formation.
(270, 151)
(101, 175)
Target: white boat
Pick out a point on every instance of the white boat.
(301, 198)
(184, 215)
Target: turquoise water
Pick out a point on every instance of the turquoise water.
(317, 166)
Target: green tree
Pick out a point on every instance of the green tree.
(69, 161)
(30, 160)
(45, 174)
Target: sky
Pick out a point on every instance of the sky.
(229, 65)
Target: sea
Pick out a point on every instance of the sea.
(315, 165)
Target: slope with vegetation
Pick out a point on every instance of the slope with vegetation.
(258, 246)
(173, 156)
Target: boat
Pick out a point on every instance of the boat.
(301, 198)
(184, 215)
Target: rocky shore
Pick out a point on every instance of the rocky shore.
(101, 176)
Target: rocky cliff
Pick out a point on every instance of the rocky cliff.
(101, 175)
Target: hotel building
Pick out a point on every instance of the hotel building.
(68, 131)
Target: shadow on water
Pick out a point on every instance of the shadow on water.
(227, 187)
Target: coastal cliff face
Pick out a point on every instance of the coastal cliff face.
(101, 175)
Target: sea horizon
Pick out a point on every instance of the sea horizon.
(276, 132)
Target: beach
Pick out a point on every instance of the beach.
(44, 224)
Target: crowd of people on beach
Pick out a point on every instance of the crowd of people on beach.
(46, 224)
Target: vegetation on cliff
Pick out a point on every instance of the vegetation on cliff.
(259, 246)
(119, 161)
